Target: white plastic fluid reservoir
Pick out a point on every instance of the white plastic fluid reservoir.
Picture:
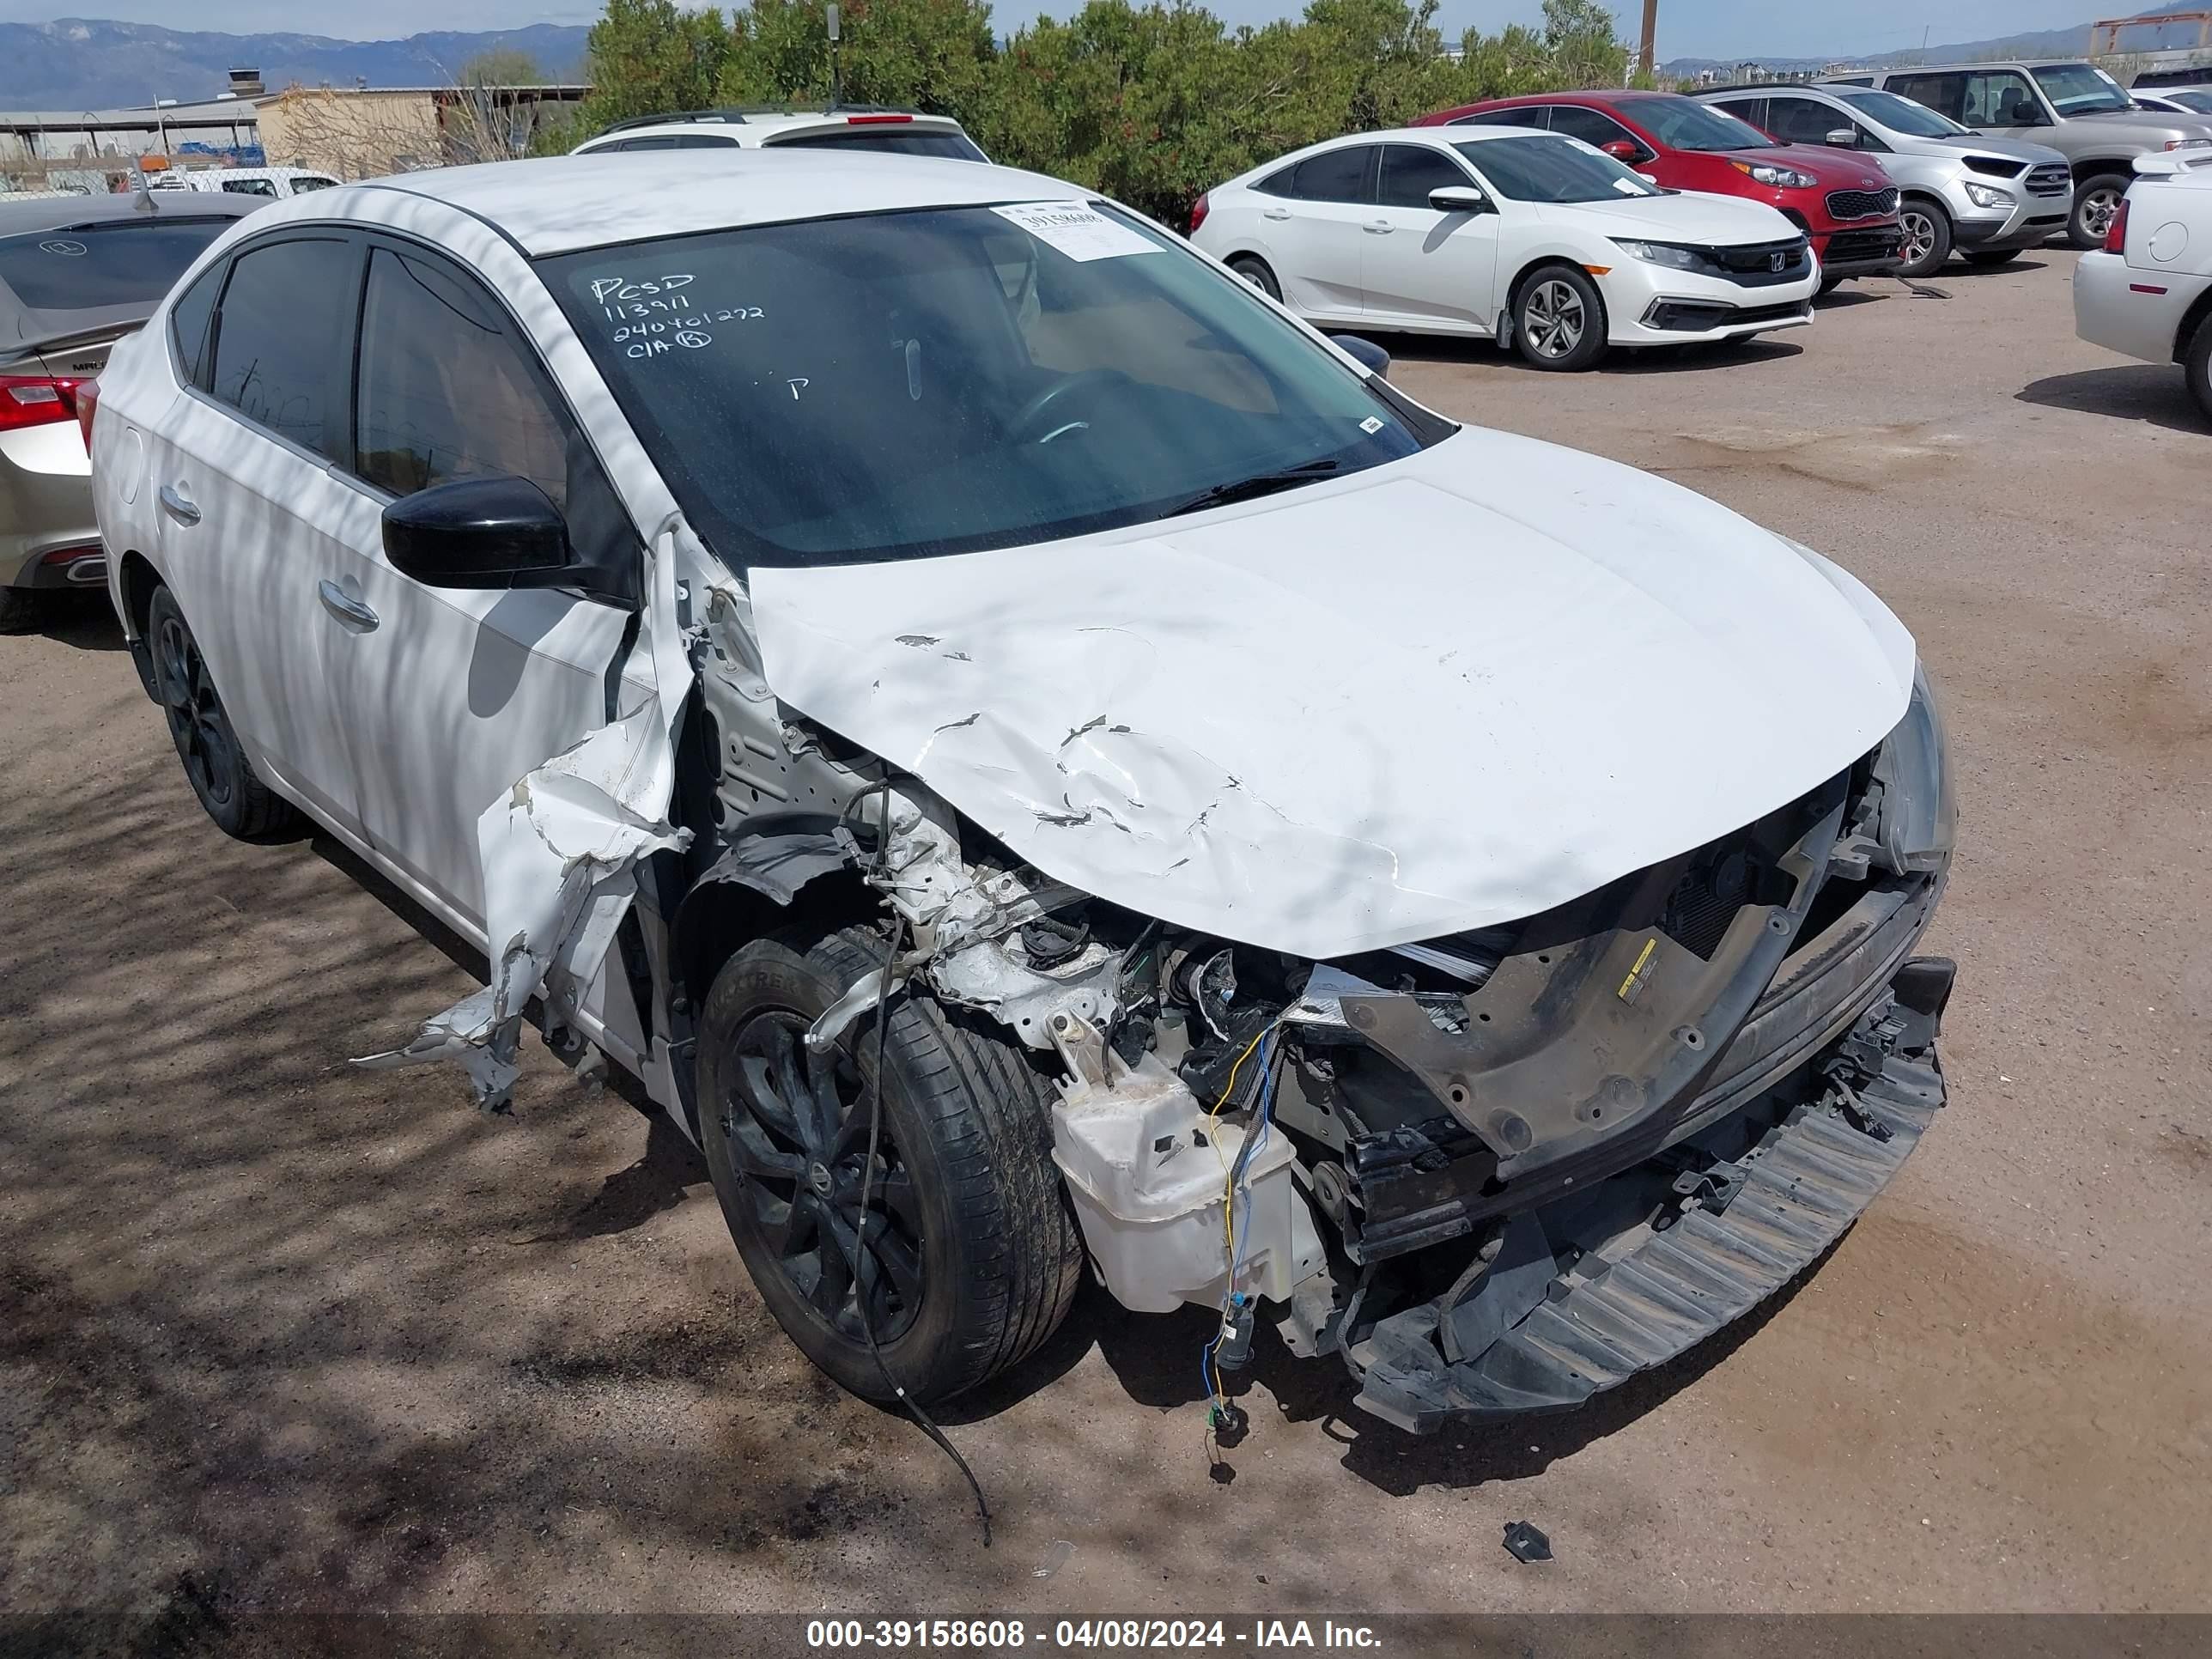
(1149, 1174)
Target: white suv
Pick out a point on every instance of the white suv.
(895, 132)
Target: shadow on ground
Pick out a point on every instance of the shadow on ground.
(2137, 391)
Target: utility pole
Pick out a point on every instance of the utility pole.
(836, 80)
(1647, 50)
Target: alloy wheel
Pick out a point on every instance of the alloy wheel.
(196, 716)
(2097, 210)
(1920, 237)
(795, 1124)
(1553, 320)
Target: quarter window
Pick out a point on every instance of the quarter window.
(1410, 172)
(280, 337)
(444, 392)
(188, 324)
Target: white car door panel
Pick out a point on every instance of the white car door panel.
(1321, 234)
(453, 693)
(1421, 267)
(244, 499)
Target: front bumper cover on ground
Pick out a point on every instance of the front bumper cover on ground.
(1810, 1179)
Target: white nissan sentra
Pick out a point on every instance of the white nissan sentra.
(1537, 240)
(816, 619)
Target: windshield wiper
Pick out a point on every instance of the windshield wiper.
(1259, 483)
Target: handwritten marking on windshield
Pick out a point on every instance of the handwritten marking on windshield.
(794, 386)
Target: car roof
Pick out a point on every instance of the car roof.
(1993, 64)
(1767, 88)
(67, 212)
(557, 204)
(758, 124)
(1589, 95)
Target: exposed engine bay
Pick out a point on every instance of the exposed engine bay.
(1403, 1156)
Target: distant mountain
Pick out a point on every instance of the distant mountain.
(75, 63)
(2039, 43)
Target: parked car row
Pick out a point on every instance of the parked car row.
(1565, 223)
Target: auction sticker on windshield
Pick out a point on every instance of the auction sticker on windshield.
(1079, 231)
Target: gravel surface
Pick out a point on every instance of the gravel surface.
(277, 1333)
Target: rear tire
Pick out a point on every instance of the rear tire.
(21, 612)
(1927, 231)
(2196, 362)
(968, 1254)
(2095, 201)
(1253, 269)
(1987, 257)
(1558, 319)
(229, 789)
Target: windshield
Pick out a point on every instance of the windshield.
(1682, 123)
(890, 140)
(2081, 89)
(1886, 109)
(2199, 101)
(96, 267)
(1551, 168)
(890, 385)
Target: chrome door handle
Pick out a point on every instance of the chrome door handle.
(178, 506)
(1377, 227)
(346, 608)
(1274, 213)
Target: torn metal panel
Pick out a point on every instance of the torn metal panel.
(560, 849)
(1431, 696)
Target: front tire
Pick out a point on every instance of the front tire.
(1981, 258)
(1558, 319)
(2197, 363)
(2095, 201)
(1927, 232)
(228, 788)
(1253, 269)
(968, 1255)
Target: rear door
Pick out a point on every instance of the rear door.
(454, 693)
(1424, 267)
(1321, 227)
(246, 504)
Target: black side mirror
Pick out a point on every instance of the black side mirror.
(1369, 355)
(497, 532)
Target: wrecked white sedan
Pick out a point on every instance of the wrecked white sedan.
(1446, 898)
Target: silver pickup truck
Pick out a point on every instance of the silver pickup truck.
(2073, 107)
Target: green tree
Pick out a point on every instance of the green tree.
(929, 55)
(648, 57)
(501, 66)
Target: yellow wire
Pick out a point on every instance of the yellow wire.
(1228, 1180)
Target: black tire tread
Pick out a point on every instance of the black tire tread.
(20, 612)
(2196, 365)
(990, 1114)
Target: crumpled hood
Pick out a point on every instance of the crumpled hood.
(1446, 693)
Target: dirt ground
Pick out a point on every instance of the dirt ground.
(277, 1333)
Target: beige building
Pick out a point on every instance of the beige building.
(359, 132)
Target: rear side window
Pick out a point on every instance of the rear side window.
(280, 337)
(1336, 175)
(1523, 115)
(311, 181)
(188, 324)
(93, 267)
(889, 141)
(1944, 94)
(445, 393)
(1410, 172)
(250, 187)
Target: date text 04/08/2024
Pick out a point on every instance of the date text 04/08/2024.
(901, 1635)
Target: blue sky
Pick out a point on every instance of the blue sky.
(1687, 28)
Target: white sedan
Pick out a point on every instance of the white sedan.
(1531, 238)
(2148, 294)
(944, 683)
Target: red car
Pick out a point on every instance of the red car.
(1848, 207)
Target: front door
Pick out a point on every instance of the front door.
(455, 693)
(1423, 267)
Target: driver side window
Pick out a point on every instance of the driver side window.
(1805, 121)
(2000, 99)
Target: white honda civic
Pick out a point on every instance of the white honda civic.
(817, 621)
(1531, 238)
